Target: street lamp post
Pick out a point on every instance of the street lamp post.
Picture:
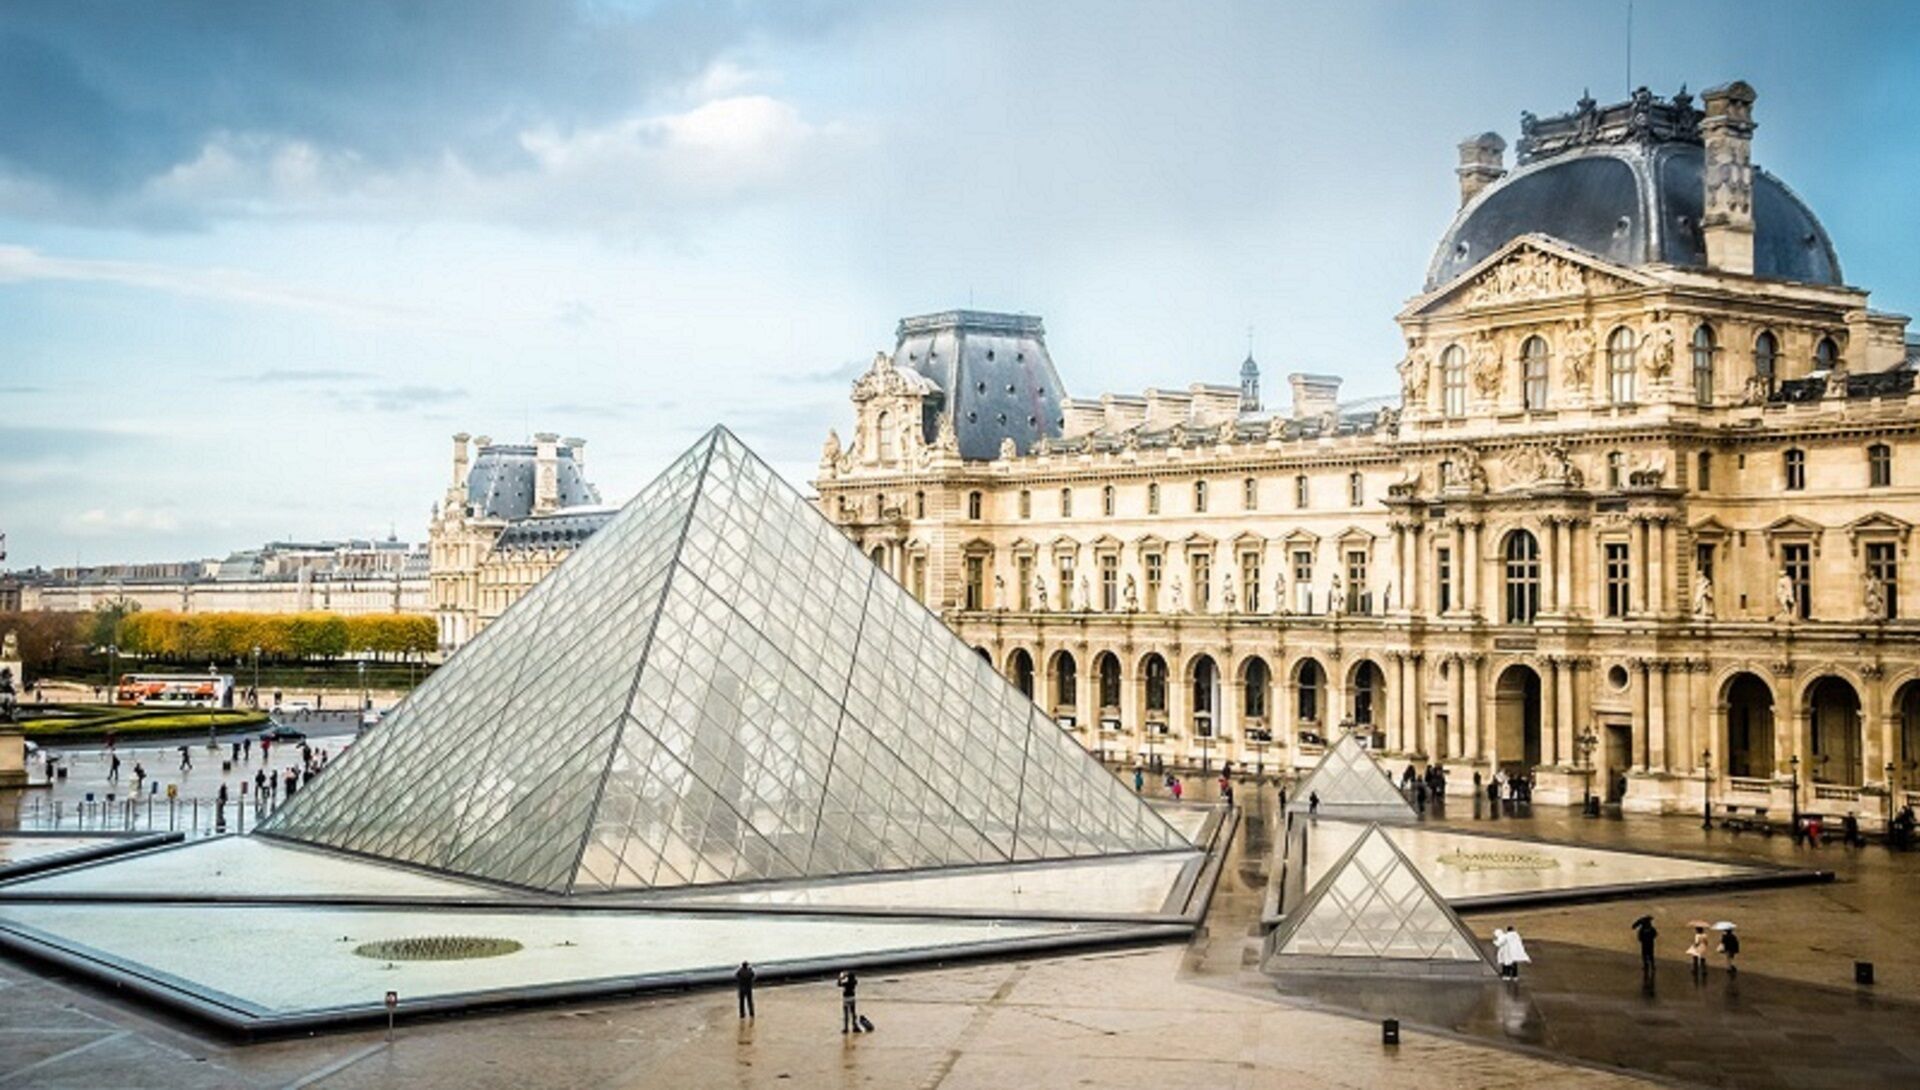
(1793, 764)
(1586, 742)
(256, 675)
(364, 702)
(1889, 798)
(1706, 789)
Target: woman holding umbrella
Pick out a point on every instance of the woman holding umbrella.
(1697, 949)
(1729, 943)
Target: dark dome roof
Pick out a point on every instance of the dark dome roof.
(1633, 204)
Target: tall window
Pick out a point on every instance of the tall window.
(1358, 600)
(1106, 501)
(1109, 582)
(1066, 681)
(1026, 504)
(1066, 503)
(1300, 491)
(1703, 560)
(1796, 561)
(1703, 475)
(1523, 577)
(885, 440)
(1256, 680)
(1303, 580)
(1109, 683)
(1795, 463)
(1064, 566)
(1200, 566)
(1200, 497)
(1250, 494)
(1453, 381)
(1616, 469)
(1443, 577)
(1152, 564)
(919, 579)
(1309, 689)
(973, 506)
(1619, 576)
(919, 505)
(1766, 360)
(1879, 466)
(1023, 575)
(1250, 581)
(1882, 561)
(1533, 369)
(1621, 352)
(1704, 349)
(1356, 490)
(1153, 499)
(976, 587)
(1826, 355)
(1156, 686)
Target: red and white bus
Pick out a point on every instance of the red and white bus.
(177, 690)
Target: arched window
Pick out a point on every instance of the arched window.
(1356, 490)
(1704, 349)
(1156, 685)
(1153, 499)
(1109, 683)
(1879, 466)
(973, 506)
(1200, 497)
(1766, 359)
(1453, 381)
(1106, 501)
(1523, 577)
(1826, 355)
(1795, 464)
(1621, 352)
(1533, 368)
(1308, 687)
(1066, 681)
(886, 440)
(1257, 679)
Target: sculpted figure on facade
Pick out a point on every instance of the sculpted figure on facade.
(1082, 597)
(1008, 452)
(1876, 599)
(1175, 603)
(945, 439)
(1000, 592)
(1130, 595)
(1229, 601)
(1702, 595)
(830, 450)
(1413, 377)
(1578, 356)
(1229, 431)
(1280, 606)
(1786, 596)
(1336, 596)
(1660, 360)
(1039, 594)
(1485, 367)
(1527, 275)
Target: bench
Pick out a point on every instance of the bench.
(1739, 818)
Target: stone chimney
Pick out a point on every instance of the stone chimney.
(1314, 394)
(1482, 162)
(460, 460)
(1727, 131)
(546, 473)
(578, 449)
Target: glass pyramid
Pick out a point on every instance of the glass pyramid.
(1375, 906)
(1351, 783)
(717, 687)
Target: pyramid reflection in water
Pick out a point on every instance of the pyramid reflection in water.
(717, 687)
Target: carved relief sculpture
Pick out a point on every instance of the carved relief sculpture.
(1660, 360)
(1702, 596)
(1413, 378)
(1578, 354)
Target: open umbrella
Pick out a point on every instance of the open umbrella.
(1723, 925)
(1644, 921)
(1698, 923)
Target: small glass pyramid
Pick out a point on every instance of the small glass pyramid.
(1375, 912)
(717, 687)
(1351, 783)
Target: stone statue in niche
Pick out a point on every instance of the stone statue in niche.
(1485, 363)
(1578, 355)
(1082, 597)
(1336, 596)
(1039, 594)
(1000, 592)
(1130, 595)
(1229, 601)
(1175, 602)
(1876, 599)
(1280, 605)
(1413, 378)
(1787, 596)
(1660, 360)
(1702, 595)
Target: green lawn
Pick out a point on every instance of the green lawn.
(91, 722)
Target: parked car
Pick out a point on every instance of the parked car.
(280, 732)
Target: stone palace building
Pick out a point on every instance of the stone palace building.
(1640, 523)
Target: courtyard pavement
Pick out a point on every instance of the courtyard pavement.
(1193, 1015)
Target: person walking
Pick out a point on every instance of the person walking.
(849, 1012)
(1313, 804)
(113, 769)
(1510, 952)
(1697, 951)
(1178, 789)
(186, 759)
(743, 984)
(1729, 945)
(1139, 779)
(1643, 929)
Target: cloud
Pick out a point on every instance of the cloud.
(23, 443)
(844, 373)
(292, 375)
(404, 398)
(22, 265)
(102, 522)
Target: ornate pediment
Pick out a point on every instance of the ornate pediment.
(1878, 525)
(883, 379)
(1530, 269)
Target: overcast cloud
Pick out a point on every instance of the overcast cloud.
(257, 261)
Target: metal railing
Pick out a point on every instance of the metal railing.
(196, 817)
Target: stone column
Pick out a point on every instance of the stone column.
(1396, 727)
(1657, 716)
(1638, 588)
(1180, 737)
(1411, 581)
(1550, 712)
(1565, 668)
(1456, 705)
(1470, 569)
(1476, 746)
(1875, 739)
(1656, 566)
(1563, 567)
(1459, 566)
(1641, 697)
(1550, 559)
(1414, 706)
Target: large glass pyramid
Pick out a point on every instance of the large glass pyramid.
(717, 687)
(1374, 911)
(1351, 783)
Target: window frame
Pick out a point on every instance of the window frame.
(1793, 469)
(1706, 350)
(1534, 373)
(1521, 576)
(1453, 382)
(1623, 360)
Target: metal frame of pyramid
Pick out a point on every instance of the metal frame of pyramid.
(1374, 912)
(1351, 784)
(717, 687)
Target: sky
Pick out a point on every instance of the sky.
(259, 261)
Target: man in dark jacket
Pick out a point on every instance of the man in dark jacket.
(743, 981)
(849, 1014)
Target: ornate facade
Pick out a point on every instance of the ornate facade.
(1640, 522)
(511, 514)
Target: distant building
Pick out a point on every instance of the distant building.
(354, 576)
(511, 513)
